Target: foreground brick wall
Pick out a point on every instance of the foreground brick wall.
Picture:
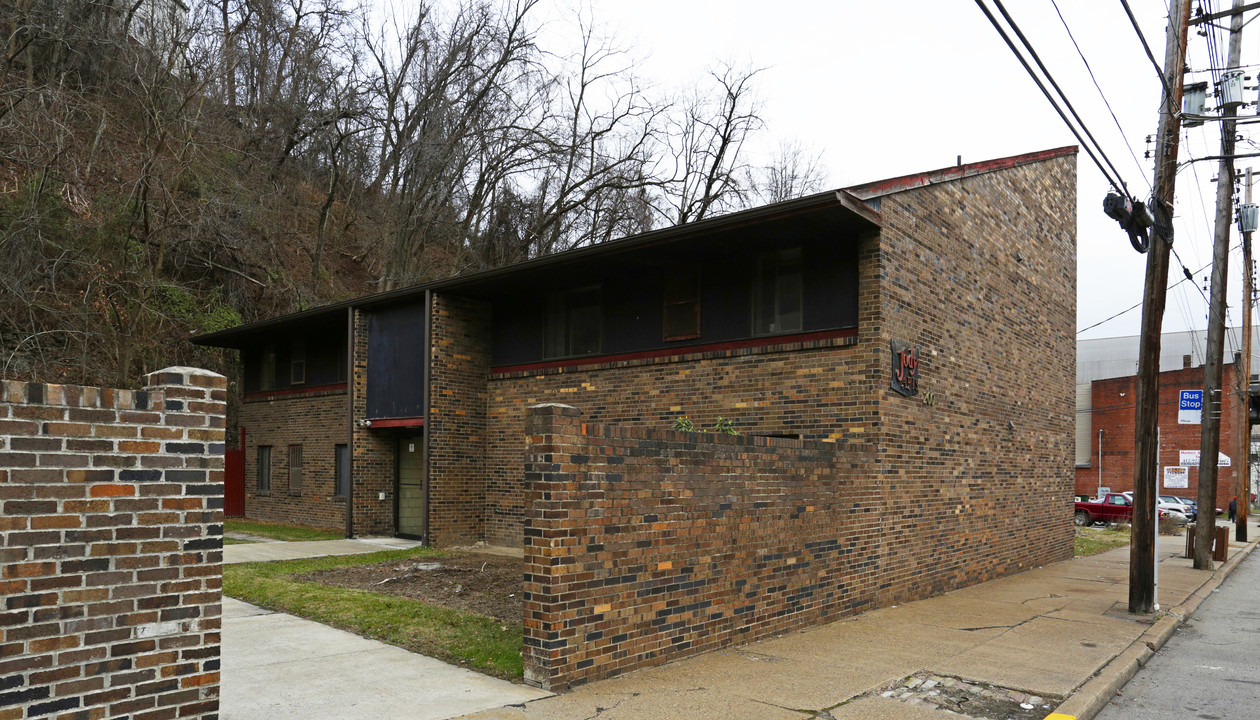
(317, 422)
(111, 548)
(646, 545)
(980, 274)
(1114, 410)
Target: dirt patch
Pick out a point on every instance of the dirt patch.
(488, 585)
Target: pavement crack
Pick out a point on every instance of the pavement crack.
(600, 710)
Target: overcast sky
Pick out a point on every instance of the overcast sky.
(885, 89)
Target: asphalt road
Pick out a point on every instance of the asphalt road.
(1210, 669)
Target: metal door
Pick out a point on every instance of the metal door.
(412, 487)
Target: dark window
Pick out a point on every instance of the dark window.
(264, 468)
(295, 469)
(777, 293)
(682, 304)
(341, 474)
(297, 363)
(574, 323)
(267, 377)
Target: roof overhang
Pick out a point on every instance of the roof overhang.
(858, 217)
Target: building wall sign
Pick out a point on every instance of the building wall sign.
(1176, 477)
(1190, 407)
(905, 368)
(1190, 458)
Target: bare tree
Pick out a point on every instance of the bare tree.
(792, 172)
(707, 146)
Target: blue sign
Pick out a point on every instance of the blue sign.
(1190, 407)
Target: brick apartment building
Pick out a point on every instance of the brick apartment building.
(1111, 417)
(925, 322)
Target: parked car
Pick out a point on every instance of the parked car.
(1170, 502)
(1113, 508)
(1168, 507)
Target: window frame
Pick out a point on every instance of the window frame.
(783, 266)
(680, 302)
(262, 470)
(295, 469)
(297, 362)
(341, 470)
(267, 368)
(562, 303)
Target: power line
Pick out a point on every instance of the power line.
(1188, 276)
(1114, 182)
(1163, 81)
(1090, 70)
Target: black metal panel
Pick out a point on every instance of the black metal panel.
(633, 301)
(324, 353)
(395, 358)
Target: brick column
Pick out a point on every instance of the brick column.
(111, 548)
(553, 441)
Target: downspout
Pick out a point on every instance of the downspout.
(425, 377)
(1100, 435)
(350, 420)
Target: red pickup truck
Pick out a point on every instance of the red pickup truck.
(1113, 508)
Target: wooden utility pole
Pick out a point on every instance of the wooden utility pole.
(1210, 440)
(1142, 547)
(1243, 464)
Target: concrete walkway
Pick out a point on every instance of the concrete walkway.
(271, 550)
(1059, 636)
(280, 667)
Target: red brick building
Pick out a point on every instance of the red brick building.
(924, 324)
(1113, 408)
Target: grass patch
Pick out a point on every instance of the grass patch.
(279, 531)
(456, 637)
(1091, 541)
(237, 541)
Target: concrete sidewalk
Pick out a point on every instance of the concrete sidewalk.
(1056, 639)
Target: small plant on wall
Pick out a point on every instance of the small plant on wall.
(721, 425)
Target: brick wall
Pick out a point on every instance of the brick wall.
(810, 389)
(1114, 411)
(644, 545)
(111, 548)
(373, 452)
(458, 475)
(316, 421)
(979, 274)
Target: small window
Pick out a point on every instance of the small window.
(295, 469)
(267, 371)
(777, 293)
(341, 471)
(682, 304)
(297, 363)
(264, 469)
(575, 322)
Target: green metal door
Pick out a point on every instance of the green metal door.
(412, 487)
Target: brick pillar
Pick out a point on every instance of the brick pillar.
(111, 524)
(554, 440)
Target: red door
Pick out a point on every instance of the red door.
(234, 480)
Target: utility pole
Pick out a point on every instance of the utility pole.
(1210, 441)
(1246, 221)
(1142, 547)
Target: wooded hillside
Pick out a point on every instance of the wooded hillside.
(166, 171)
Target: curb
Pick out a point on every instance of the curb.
(1094, 695)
